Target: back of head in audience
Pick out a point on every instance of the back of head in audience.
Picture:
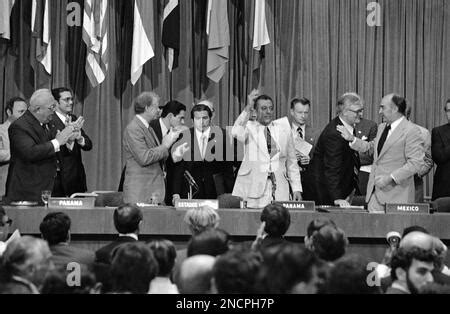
(289, 268)
(27, 258)
(277, 219)
(127, 219)
(410, 229)
(5, 223)
(55, 228)
(329, 242)
(165, 254)
(133, 267)
(350, 276)
(201, 219)
(56, 283)
(210, 242)
(235, 272)
(196, 274)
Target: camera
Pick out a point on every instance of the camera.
(393, 238)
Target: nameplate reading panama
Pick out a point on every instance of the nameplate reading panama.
(71, 203)
(305, 206)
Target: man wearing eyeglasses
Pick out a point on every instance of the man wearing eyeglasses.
(71, 177)
(33, 164)
(440, 148)
(334, 168)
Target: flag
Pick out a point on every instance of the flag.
(95, 35)
(171, 33)
(142, 38)
(5, 17)
(260, 33)
(40, 32)
(218, 31)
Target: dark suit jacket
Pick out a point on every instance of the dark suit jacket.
(203, 171)
(368, 129)
(73, 175)
(331, 171)
(169, 163)
(104, 254)
(33, 160)
(63, 254)
(440, 148)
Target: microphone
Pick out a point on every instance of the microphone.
(190, 179)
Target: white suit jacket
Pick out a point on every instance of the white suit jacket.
(257, 163)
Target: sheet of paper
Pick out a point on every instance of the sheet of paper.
(15, 235)
(302, 146)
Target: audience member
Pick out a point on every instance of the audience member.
(56, 283)
(196, 274)
(133, 267)
(411, 270)
(15, 108)
(55, 229)
(275, 220)
(212, 242)
(350, 275)
(165, 254)
(24, 265)
(329, 243)
(5, 224)
(235, 272)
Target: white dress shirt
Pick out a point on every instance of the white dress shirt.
(202, 139)
(394, 125)
(164, 129)
(295, 132)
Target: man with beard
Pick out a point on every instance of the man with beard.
(411, 270)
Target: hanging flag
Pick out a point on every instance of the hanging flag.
(218, 39)
(171, 33)
(260, 33)
(5, 18)
(95, 35)
(142, 38)
(40, 31)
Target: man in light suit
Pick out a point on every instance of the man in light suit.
(145, 154)
(270, 163)
(440, 147)
(398, 156)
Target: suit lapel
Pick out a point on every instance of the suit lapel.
(395, 136)
(148, 132)
(38, 135)
(157, 128)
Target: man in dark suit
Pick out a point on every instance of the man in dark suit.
(334, 168)
(55, 229)
(172, 117)
(71, 177)
(206, 161)
(33, 150)
(302, 131)
(440, 148)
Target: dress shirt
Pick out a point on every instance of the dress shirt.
(164, 129)
(202, 143)
(295, 127)
(130, 235)
(394, 125)
(347, 126)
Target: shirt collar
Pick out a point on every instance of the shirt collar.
(130, 235)
(164, 129)
(396, 285)
(143, 121)
(199, 134)
(61, 116)
(347, 126)
(396, 123)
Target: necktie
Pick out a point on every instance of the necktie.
(383, 138)
(45, 128)
(270, 143)
(300, 132)
(356, 165)
(204, 143)
(67, 120)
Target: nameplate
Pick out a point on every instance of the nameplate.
(189, 204)
(304, 206)
(71, 203)
(407, 208)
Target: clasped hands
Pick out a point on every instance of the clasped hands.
(71, 133)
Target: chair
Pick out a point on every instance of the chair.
(229, 201)
(441, 205)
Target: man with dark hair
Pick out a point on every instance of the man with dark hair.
(334, 169)
(172, 118)
(212, 242)
(275, 220)
(398, 156)
(235, 272)
(5, 224)
(288, 268)
(127, 220)
(71, 177)
(15, 108)
(440, 148)
(133, 267)
(206, 161)
(165, 254)
(33, 166)
(55, 229)
(302, 131)
(350, 275)
(269, 167)
(145, 155)
(411, 269)
(329, 243)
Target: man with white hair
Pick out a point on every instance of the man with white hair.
(33, 164)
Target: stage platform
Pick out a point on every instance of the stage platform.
(93, 228)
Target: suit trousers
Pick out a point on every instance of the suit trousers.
(375, 207)
(264, 200)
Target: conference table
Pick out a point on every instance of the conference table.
(92, 228)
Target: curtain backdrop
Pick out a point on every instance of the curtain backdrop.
(319, 49)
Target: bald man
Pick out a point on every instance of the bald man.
(33, 166)
(196, 274)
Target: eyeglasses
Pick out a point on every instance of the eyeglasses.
(357, 111)
(7, 222)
